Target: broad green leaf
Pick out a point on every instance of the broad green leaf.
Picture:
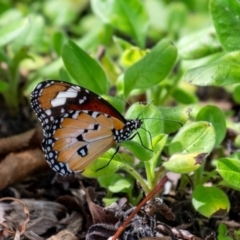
(64, 75)
(12, 31)
(196, 137)
(115, 183)
(142, 153)
(151, 69)
(221, 72)
(120, 186)
(229, 170)
(182, 95)
(174, 117)
(199, 44)
(151, 127)
(105, 165)
(210, 201)
(184, 163)
(127, 16)
(226, 19)
(85, 70)
(152, 121)
(215, 116)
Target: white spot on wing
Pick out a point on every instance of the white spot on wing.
(58, 101)
(67, 94)
(94, 114)
(39, 85)
(48, 112)
(75, 115)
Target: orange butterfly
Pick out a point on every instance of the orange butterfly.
(78, 125)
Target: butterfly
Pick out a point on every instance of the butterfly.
(78, 125)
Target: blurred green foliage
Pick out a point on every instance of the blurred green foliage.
(149, 50)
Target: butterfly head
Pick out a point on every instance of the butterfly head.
(127, 131)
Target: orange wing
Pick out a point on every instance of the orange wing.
(78, 138)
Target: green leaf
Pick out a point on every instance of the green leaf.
(199, 44)
(117, 102)
(177, 15)
(131, 56)
(86, 71)
(182, 95)
(151, 127)
(226, 19)
(197, 137)
(121, 43)
(229, 170)
(109, 201)
(174, 117)
(105, 165)
(223, 232)
(66, 12)
(138, 150)
(115, 183)
(221, 72)
(127, 16)
(184, 163)
(151, 69)
(120, 186)
(210, 201)
(215, 116)
(12, 31)
(152, 122)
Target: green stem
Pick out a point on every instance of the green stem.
(158, 175)
(198, 176)
(149, 173)
(138, 177)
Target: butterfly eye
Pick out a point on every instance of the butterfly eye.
(78, 125)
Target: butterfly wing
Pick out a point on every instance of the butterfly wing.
(77, 138)
(50, 99)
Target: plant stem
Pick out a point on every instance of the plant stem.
(149, 173)
(138, 177)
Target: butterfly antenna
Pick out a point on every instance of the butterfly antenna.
(144, 109)
(164, 119)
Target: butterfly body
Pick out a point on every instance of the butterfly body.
(78, 125)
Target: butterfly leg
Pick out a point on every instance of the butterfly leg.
(117, 149)
(137, 133)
